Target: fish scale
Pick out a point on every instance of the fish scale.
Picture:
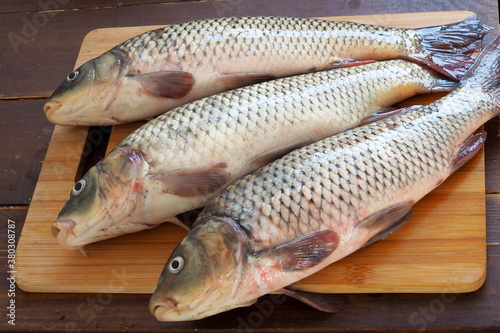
(159, 70)
(328, 174)
(179, 160)
(262, 117)
(274, 35)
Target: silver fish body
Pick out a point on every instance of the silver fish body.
(324, 201)
(161, 69)
(180, 160)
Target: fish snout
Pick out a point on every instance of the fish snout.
(159, 308)
(51, 107)
(65, 225)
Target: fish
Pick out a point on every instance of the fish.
(324, 201)
(159, 70)
(178, 161)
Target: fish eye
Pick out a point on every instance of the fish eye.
(176, 265)
(72, 76)
(78, 188)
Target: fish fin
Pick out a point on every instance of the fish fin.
(387, 221)
(486, 70)
(386, 113)
(303, 252)
(441, 83)
(194, 181)
(348, 63)
(171, 84)
(323, 302)
(273, 154)
(186, 220)
(236, 80)
(381, 114)
(446, 48)
(453, 66)
(468, 149)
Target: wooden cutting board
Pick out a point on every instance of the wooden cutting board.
(442, 249)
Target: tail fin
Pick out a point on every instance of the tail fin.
(447, 48)
(485, 71)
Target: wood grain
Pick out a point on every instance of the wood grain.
(492, 156)
(444, 245)
(23, 149)
(55, 5)
(493, 225)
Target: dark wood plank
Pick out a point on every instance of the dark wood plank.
(492, 156)
(493, 213)
(25, 135)
(22, 6)
(50, 41)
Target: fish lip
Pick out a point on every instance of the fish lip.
(51, 107)
(158, 308)
(62, 229)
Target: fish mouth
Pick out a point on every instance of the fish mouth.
(163, 310)
(51, 107)
(62, 229)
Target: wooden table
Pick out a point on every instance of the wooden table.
(39, 44)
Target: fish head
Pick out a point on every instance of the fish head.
(203, 275)
(86, 93)
(104, 202)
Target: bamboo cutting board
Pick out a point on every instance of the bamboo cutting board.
(442, 249)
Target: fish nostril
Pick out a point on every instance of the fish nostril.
(55, 231)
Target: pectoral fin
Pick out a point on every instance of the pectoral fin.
(323, 302)
(387, 221)
(273, 154)
(236, 80)
(190, 182)
(171, 84)
(302, 252)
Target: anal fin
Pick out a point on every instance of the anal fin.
(468, 149)
(323, 302)
(379, 115)
(273, 154)
(348, 63)
(386, 113)
(453, 66)
(387, 221)
(302, 252)
(194, 181)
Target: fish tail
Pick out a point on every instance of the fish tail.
(485, 72)
(447, 48)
